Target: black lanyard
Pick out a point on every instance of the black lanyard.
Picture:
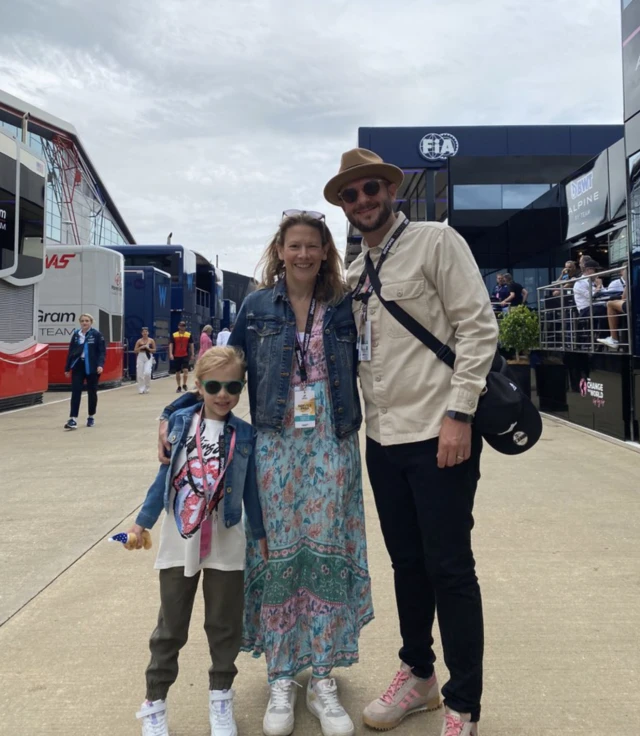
(362, 294)
(301, 350)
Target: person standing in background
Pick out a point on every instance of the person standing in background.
(181, 353)
(85, 362)
(205, 340)
(223, 337)
(144, 348)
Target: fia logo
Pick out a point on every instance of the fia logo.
(438, 146)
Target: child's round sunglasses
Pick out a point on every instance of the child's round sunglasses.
(233, 388)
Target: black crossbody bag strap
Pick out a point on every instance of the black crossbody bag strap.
(442, 351)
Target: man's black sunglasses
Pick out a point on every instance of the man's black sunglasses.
(233, 388)
(370, 188)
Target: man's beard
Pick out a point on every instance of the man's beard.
(386, 210)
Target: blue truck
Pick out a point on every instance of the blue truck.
(147, 303)
(228, 313)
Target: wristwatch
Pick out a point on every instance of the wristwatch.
(460, 416)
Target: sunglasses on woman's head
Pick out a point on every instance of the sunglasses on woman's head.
(370, 188)
(310, 213)
(233, 388)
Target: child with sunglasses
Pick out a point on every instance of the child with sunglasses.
(210, 474)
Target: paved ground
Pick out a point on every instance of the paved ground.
(558, 548)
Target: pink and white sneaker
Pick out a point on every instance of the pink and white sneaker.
(458, 724)
(405, 695)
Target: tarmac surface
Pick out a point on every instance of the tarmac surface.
(557, 543)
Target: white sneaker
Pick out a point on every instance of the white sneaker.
(323, 703)
(221, 713)
(609, 342)
(279, 718)
(154, 718)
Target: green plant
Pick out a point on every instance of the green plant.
(520, 330)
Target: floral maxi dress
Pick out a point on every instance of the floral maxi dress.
(306, 606)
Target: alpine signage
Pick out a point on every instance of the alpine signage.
(438, 146)
(587, 197)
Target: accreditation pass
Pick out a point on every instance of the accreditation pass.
(304, 407)
(364, 340)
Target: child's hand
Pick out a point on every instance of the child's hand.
(137, 530)
(264, 550)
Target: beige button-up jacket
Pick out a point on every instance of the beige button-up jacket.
(431, 273)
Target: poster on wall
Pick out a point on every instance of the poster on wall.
(587, 196)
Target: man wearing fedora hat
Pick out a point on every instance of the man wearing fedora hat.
(423, 455)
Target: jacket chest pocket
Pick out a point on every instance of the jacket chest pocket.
(410, 295)
(346, 332)
(262, 326)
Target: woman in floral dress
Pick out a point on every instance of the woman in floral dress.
(304, 608)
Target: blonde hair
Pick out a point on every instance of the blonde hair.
(217, 357)
(90, 316)
(208, 329)
(330, 287)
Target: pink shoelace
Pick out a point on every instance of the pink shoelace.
(453, 725)
(398, 681)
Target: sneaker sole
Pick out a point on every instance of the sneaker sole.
(329, 733)
(377, 726)
(278, 731)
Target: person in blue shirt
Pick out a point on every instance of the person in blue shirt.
(85, 363)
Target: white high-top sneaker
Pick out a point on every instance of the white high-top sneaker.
(279, 718)
(221, 713)
(323, 703)
(154, 718)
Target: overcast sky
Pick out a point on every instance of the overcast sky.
(209, 117)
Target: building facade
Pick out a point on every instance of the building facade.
(477, 178)
(80, 210)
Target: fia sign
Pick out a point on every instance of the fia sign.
(438, 146)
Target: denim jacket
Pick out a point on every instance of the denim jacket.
(265, 329)
(240, 479)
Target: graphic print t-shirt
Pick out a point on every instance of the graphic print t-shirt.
(181, 344)
(227, 545)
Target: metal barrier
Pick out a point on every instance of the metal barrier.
(600, 326)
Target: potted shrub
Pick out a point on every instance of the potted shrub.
(520, 333)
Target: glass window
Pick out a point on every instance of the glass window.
(519, 196)
(477, 197)
(8, 180)
(31, 224)
(618, 247)
(104, 325)
(116, 327)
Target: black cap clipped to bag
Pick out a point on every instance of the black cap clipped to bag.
(523, 433)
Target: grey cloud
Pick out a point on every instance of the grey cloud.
(209, 118)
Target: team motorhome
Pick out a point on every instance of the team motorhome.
(23, 361)
(82, 278)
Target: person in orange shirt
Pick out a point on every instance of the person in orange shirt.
(181, 353)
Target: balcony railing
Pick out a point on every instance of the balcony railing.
(593, 327)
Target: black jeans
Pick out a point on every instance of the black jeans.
(78, 377)
(426, 519)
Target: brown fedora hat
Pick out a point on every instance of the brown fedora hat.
(355, 164)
